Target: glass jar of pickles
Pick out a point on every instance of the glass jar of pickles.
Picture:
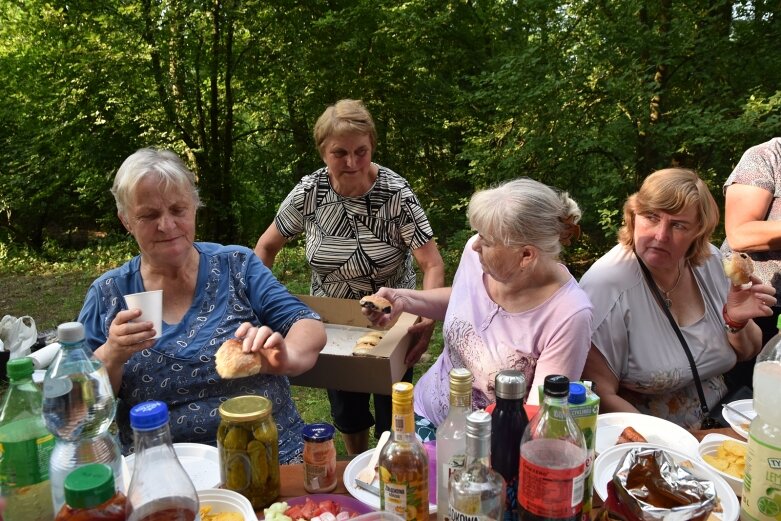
(319, 458)
(249, 451)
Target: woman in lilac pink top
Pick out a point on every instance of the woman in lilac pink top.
(512, 305)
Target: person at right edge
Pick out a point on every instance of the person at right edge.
(752, 220)
(363, 226)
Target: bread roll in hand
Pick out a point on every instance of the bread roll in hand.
(375, 303)
(232, 362)
(739, 267)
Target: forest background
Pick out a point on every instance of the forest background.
(589, 96)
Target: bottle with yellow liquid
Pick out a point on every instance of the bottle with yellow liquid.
(403, 462)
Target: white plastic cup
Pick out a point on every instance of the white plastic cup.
(151, 305)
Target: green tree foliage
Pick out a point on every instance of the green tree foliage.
(587, 95)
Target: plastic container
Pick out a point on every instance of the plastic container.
(220, 500)
(160, 489)
(249, 449)
(319, 458)
(709, 446)
(26, 446)
(78, 407)
(90, 495)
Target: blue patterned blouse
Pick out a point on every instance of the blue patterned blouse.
(233, 287)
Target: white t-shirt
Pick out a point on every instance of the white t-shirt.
(552, 338)
(641, 347)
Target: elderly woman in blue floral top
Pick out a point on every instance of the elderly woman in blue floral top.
(211, 293)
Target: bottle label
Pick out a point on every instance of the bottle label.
(762, 481)
(457, 515)
(408, 499)
(395, 499)
(546, 492)
(24, 463)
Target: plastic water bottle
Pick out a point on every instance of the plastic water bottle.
(761, 497)
(25, 446)
(160, 489)
(78, 407)
(553, 459)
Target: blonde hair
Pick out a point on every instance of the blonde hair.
(166, 165)
(525, 211)
(346, 116)
(674, 190)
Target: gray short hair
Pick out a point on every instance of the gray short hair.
(166, 165)
(524, 211)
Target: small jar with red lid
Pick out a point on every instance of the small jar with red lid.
(319, 458)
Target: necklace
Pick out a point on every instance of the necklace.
(667, 301)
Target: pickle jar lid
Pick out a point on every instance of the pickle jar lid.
(245, 408)
(318, 432)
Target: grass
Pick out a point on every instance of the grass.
(52, 292)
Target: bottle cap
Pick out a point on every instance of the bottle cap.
(19, 368)
(556, 385)
(577, 392)
(89, 486)
(402, 393)
(245, 408)
(510, 385)
(478, 424)
(461, 380)
(318, 432)
(148, 415)
(70, 332)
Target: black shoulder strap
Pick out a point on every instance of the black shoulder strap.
(655, 290)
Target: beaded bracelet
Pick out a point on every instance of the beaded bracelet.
(729, 324)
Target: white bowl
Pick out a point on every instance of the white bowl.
(710, 445)
(223, 500)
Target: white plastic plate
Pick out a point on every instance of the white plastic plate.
(655, 430)
(201, 462)
(606, 463)
(738, 423)
(364, 496)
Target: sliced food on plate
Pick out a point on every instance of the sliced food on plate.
(316, 507)
(630, 435)
(623, 427)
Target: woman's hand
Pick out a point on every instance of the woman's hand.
(125, 338)
(757, 300)
(377, 317)
(291, 355)
(269, 344)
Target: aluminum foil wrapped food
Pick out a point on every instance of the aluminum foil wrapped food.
(653, 487)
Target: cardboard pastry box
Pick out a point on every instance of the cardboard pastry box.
(338, 368)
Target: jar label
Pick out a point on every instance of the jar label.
(762, 481)
(547, 492)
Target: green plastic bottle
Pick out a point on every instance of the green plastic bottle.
(25, 447)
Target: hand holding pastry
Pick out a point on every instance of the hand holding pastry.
(381, 308)
(739, 267)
